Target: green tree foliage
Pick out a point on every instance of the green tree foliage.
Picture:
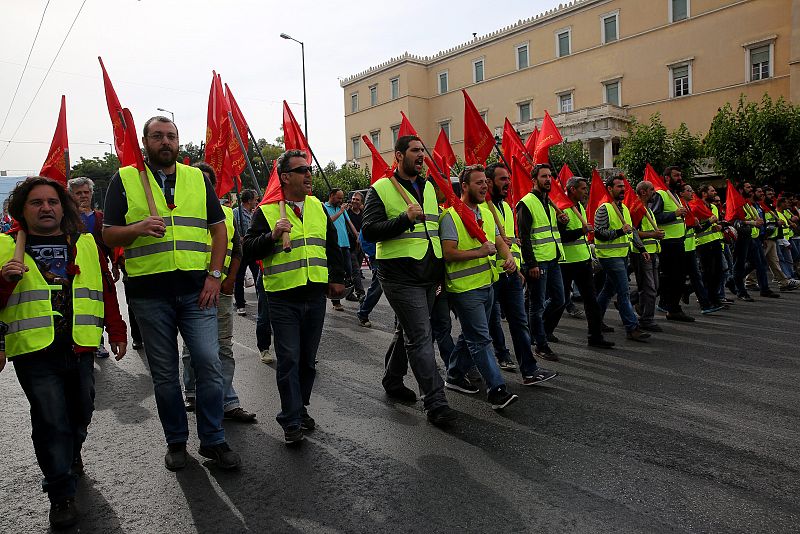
(759, 142)
(100, 171)
(192, 151)
(346, 177)
(653, 143)
(572, 154)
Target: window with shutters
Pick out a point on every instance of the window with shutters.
(563, 47)
(375, 137)
(356, 147)
(611, 93)
(610, 27)
(394, 88)
(678, 10)
(443, 82)
(373, 95)
(477, 71)
(525, 114)
(565, 102)
(760, 64)
(522, 56)
(681, 80)
(354, 102)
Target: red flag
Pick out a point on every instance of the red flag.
(548, 137)
(559, 195)
(379, 167)
(274, 192)
(293, 138)
(115, 112)
(689, 219)
(530, 142)
(650, 175)
(598, 195)
(699, 208)
(512, 144)
(55, 165)
(634, 204)
(467, 215)
(443, 153)
(217, 130)
(478, 138)
(131, 143)
(405, 127)
(734, 203)
(238, 161)
(520, 180)
(187, 160)
(565, 174)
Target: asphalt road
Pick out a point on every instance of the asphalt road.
(696, 431)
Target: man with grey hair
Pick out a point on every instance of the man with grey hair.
(646, 271)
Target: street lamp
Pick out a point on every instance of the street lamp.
(110, 146)
(167, 111)
(303, 54)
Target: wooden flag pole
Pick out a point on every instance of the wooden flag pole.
(243, 149)
(286, 239)
(19, 253)
(148, 193)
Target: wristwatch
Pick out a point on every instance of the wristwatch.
(215, 274)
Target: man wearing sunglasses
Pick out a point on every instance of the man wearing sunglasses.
(296, 281)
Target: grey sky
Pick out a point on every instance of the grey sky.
(161, 54)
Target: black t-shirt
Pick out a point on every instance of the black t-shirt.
(167, 284)
(356, 219)
(52, 256)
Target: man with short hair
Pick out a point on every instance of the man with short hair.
(541, 250)
(576, 264)
(172, 282)
(296, 282)
(646, 271)
(613, 237)
(758, 259)
(355, 215)
(776, 228)
(337, 211)
(409, 257)
(242, 215)
(690, 256)
(470, 271)
(709, 246)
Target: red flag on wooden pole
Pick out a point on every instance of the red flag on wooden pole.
(565, 174)
(598, 195)
(478, 138)
(559, 195)
(530, 142)
(520, 179)
(548, 136)
(56, 165)
(467, 216)
(650, 175)
(274, 192)
(443, 153)
(734, 203)
(115, 112)
(634, 204)
(238, 162)
(379, 167)
(217, 129)
(405, 127)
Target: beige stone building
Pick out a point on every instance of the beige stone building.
(594, 65)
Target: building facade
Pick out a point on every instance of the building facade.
(594, 65)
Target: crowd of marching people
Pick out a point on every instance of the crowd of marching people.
(436, 253)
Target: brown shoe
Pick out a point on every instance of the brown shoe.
(637, 335)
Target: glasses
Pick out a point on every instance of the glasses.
(302, 169)
(171, 137)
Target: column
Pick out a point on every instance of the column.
(608, 153)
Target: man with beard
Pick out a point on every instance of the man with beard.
(337, 211)
(509, 291)
(646, 271)
(296, 283)
(408, 254)
(470, 272)
(173, 284)
(776, 230)
(757, 256)
(747, 224)
(576, 265)
(690, 256)
(541, 250)
(709, 246)
(613, 237)
(670, 215)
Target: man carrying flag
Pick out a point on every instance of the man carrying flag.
(708, 241)
(646, 270)
(296, 282)
(690, 256)
(747, 224)
(409, 257)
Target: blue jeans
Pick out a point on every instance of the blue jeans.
(758, 261)
(60, 389)
(230, 400)
(442, 325)
(297, 325)
(546, 301)
(785, 259)
(373, 295)
(695, 279)
(509, 295)
(474, 345)
(263, 328)
(616, 270)
(165, 318)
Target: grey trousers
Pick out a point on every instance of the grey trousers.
(412, 305)
(646, 286)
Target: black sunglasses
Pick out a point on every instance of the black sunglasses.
(301, 169)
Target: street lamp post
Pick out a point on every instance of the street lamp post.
(110, 146)
(303, 56)
(167, 111)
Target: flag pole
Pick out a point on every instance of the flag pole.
(19, 252)
(260, 156)
(244, 151)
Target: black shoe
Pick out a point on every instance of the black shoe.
(499, 398)
(507, 365)
(222, 454)
(607, 329)
(137, 345)
(77, 466)
(352, 297)
(539, 376)
(685, 298)
(637, 335)
(731, 286)
(241, 415)
(746, 297)
(651, 327)
(308, 424)
(401, 393)
(600, 343)
(442, 416)
(460, 384)
(176, 456)
(364, 322)
(63, 514)
(546, 353)
(770, 295)
(551, 338)
(680, 316)
(190, 403)
(293, 435)
(726, 300)
(474, 376)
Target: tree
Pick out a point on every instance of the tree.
(572, 154)
(348, 178)
(652, 143)
(757, 142)
(100, 171)
(194, 152)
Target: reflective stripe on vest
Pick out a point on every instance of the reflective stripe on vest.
(708, 235)
(506, 217)
(769, 217)
(307, 261)
(619, 246)
(545, 239)
(413, 243)
(788, 233)
(462, 276)
(651, 245)
(751, 215)
(184, 246)
(674, 229)
(226, 265)
(690, 242)
(29, 313)
(578, 250)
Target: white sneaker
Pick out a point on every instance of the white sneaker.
(241, 311)
(267, 357)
